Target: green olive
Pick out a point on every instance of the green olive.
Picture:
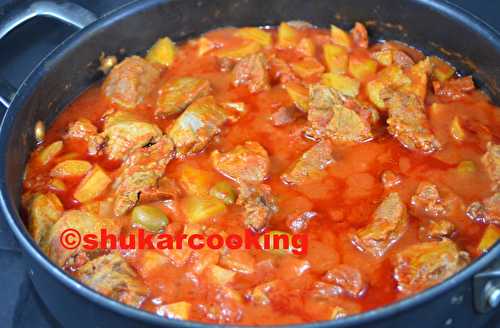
(224, 191)
(149, 217)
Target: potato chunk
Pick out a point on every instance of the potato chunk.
(307, 67)
(197, 125)
(287, 36)
(424, 265)
(179, 93)
(255, 34)
(130, 82)
(162, 52)
(201, 208)
(92, 185)
(390, 222)
(218, 275)
(48, 153)
(70, 168)
(340, 37)
(299, 95)
(490, 236)
(195, 181)
(245, 163)
(344, 84)
(362, 68)
(179, 310)
(236, 53)
(112, 276)
(44, 210)
(336, 58)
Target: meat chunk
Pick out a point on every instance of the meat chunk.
(123, 134)
(111, 276)
(179, 93)
(431, 202)
(321, 101)
(310, 166)
(347, 126)
(491, 161)
(390, 179)
(453, 89)
(245, 163)
(341, 118)
(285, 115)
(81, 129)
(347, 279)
(428, 200)
(252, 71)
(141, 172)
(436, 230)
(424, 265)
(43, 210)
(259, 205)
(84, 223)
(360, 35)
(390, 221)
(130, 82)
(487, 211)
(408, 123)
(197, 125)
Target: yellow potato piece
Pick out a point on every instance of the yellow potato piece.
(418, 75)
(362, 68)
(307, 67)
(299, 95)
(490, 237)
(57, 184)
(288, 36)
(336, 58)
(195, 181)
(456, 130)
(384, 57)
(218, 275)
(346, 85)
(391, 76)
(255, 34)
(201, 208)
(179, 310)
(205, 45)
(50, 152)
(306, 47)
(70, 168)
(93, 185)
(340, 37)
(466, 167)
(247, 49)
(441, 70)
(162, 52)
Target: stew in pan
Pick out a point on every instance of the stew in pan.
(386, 159)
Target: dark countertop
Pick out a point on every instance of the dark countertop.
(20, 307)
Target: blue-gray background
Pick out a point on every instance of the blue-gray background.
(19, 52)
